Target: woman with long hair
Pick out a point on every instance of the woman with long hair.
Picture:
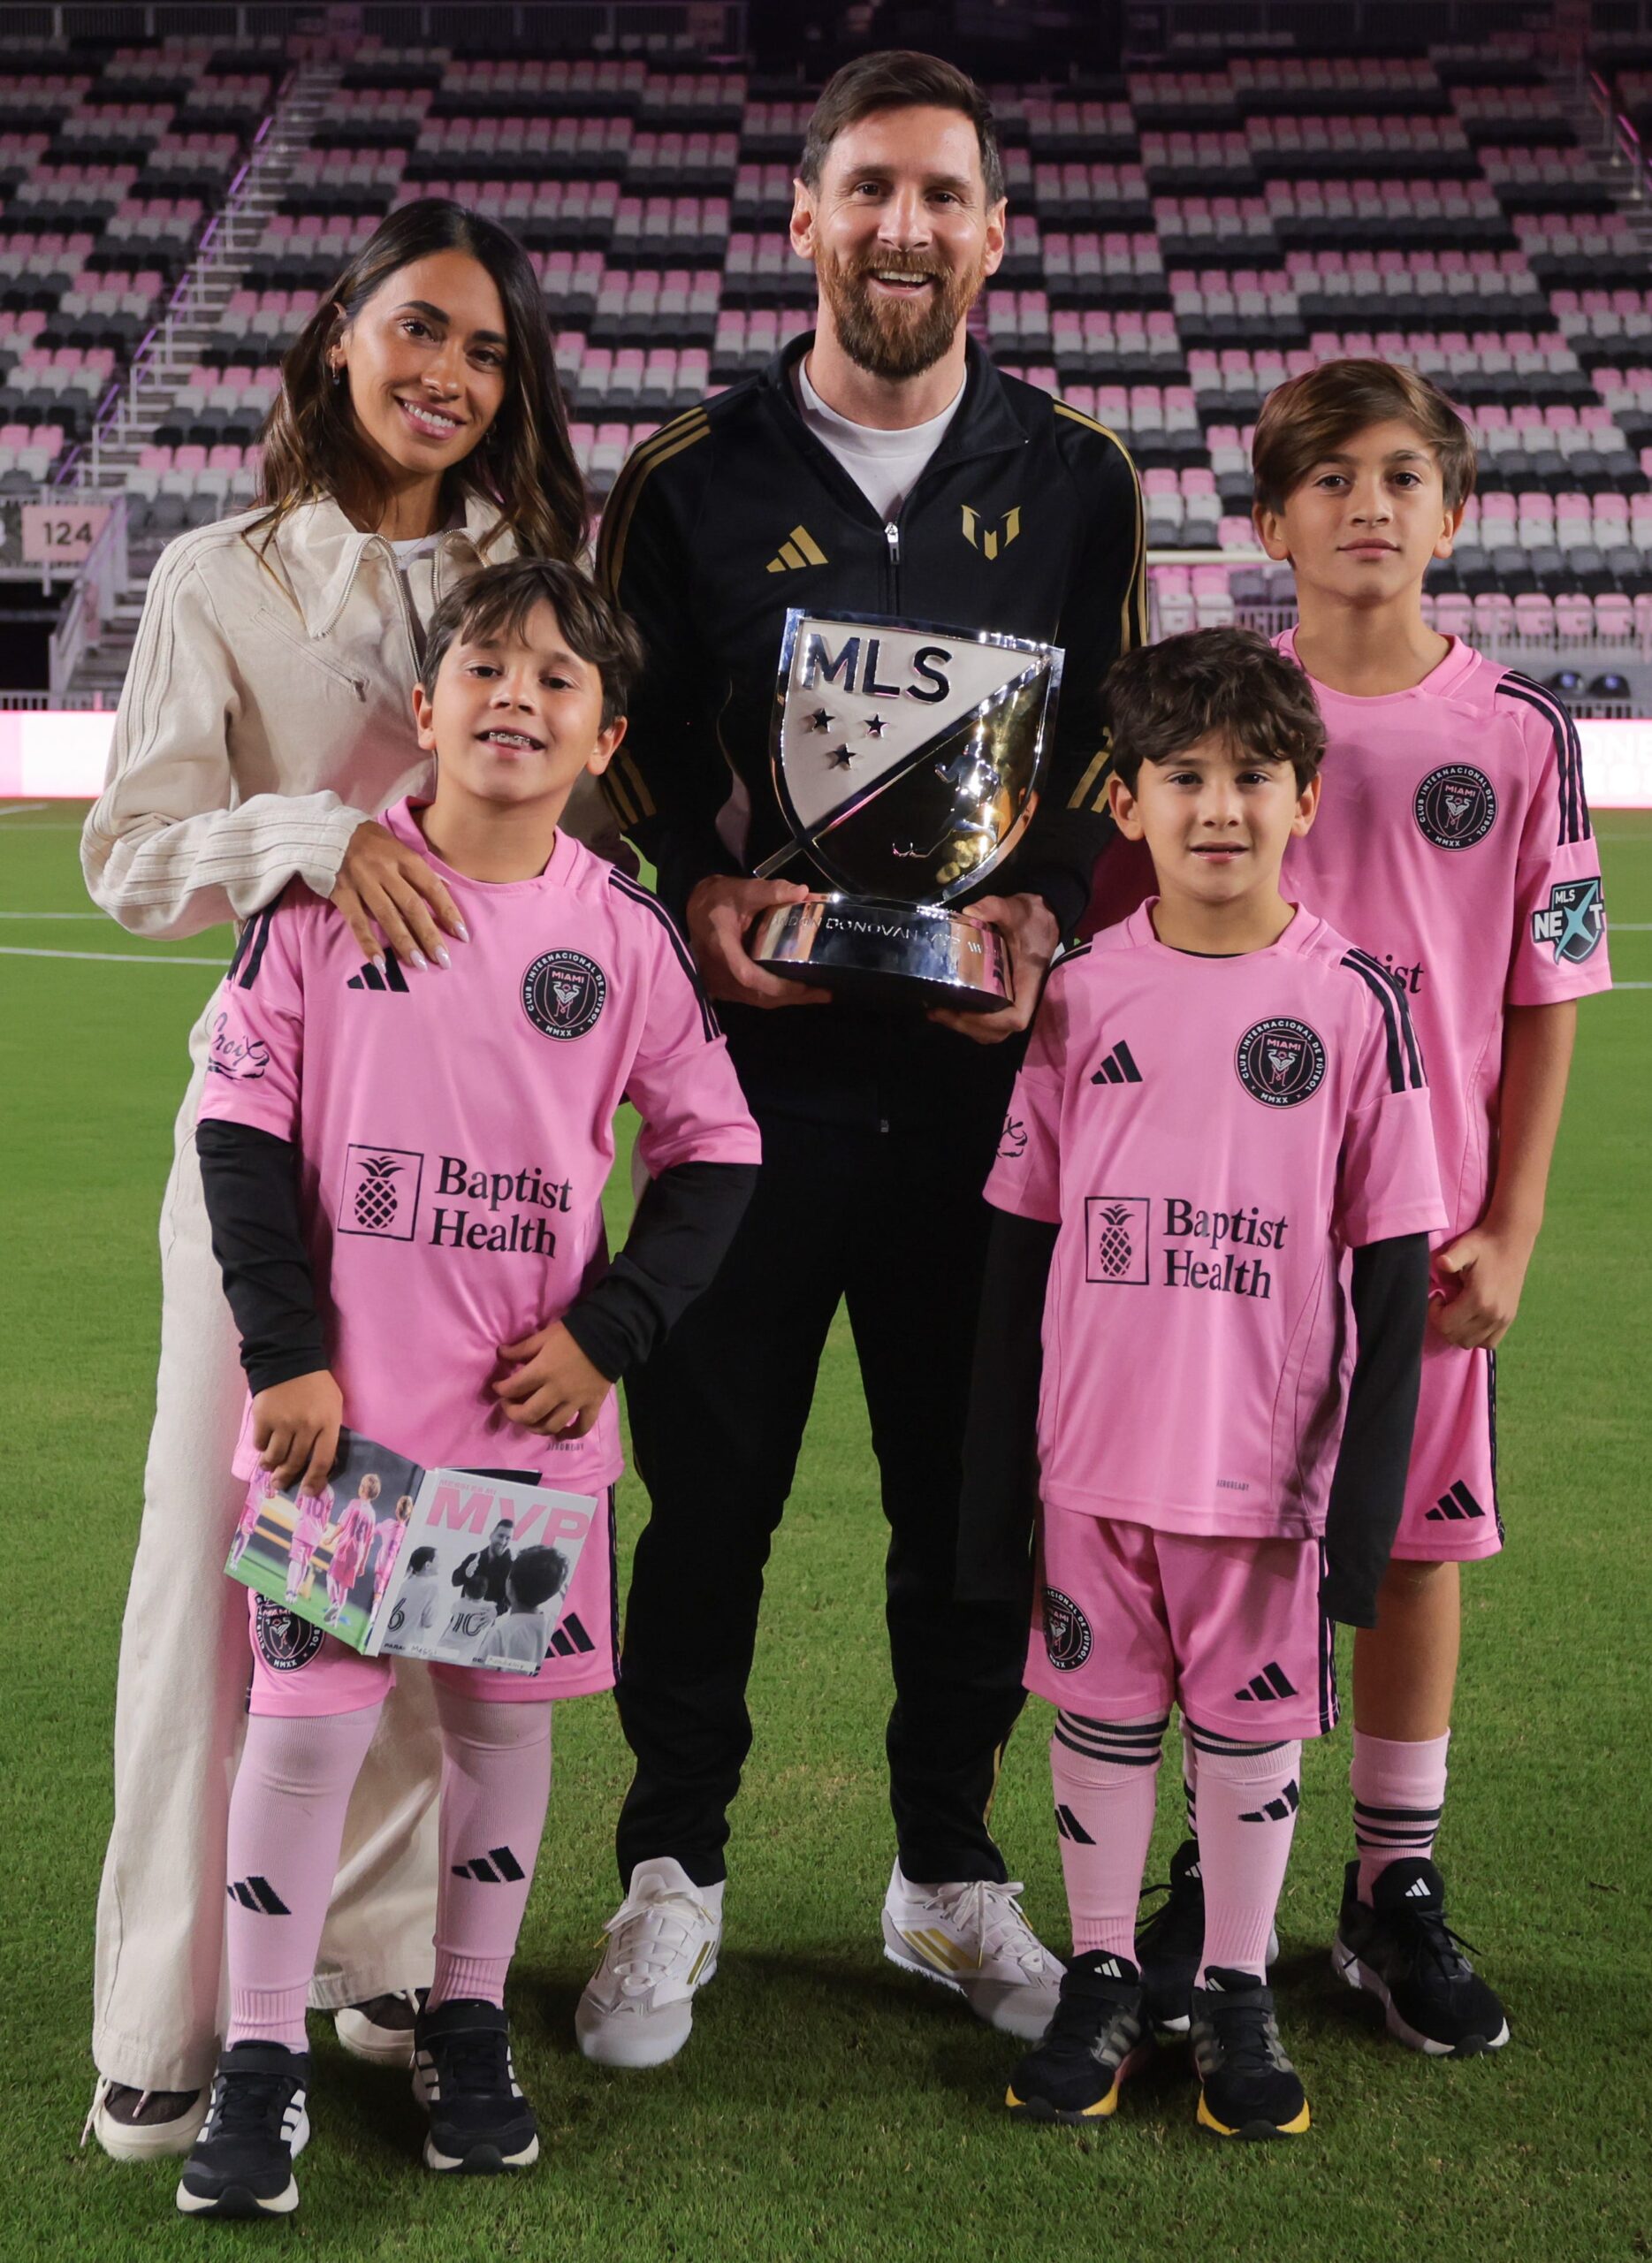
(265, 722)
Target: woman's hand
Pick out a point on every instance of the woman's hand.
(386, 888)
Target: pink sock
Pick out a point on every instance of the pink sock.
(1247, 1815)
(496, 1785)
(286, 1823)
(1399, 1796)
(1106, 1782)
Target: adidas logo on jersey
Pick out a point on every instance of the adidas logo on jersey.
(1068, 1826)
(799, 549)
(1118, 1068)
(498, 1867)
(570, 1639)
(1262, 1688)
(1454, 1506)
(370, 978)
(258, 1895)
(1279, 1810)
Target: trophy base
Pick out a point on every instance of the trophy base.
(886, 955)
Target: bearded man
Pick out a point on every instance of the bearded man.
(879, 467)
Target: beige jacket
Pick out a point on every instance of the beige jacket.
(267, 710)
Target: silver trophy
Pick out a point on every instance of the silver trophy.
(906, 759)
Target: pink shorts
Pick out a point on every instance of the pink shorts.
(1450, 1513)
(299, 1672)
(1231, 1629)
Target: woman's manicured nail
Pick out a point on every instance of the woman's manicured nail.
(442, 958)
(378, 961)
(462, 932)
(420, 961)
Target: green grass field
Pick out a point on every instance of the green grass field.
(827, 2106)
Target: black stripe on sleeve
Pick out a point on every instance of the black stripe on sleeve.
(1574, 808)
(1383, 992)
(254, 956)
(630, 889)
(1415, 1077)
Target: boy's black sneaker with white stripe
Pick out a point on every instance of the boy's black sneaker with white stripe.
(1097, 2038)
(1247, 2087)
(1399, 1947)
(1171, 1946)
(462, 2076)
(255, 2129)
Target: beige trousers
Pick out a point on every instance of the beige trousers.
(159, 1993)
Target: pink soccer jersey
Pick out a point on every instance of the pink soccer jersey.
(1453, 843)
(314, 1512)
(388, 1531)
(351, 1542)
(456, 1130)
(1212, 1135)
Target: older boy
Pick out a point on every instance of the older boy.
(1223, 1100)
(1454, 843)
(405, 1181)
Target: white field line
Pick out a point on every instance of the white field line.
(120, 958)
(23, 809)
(53, 915)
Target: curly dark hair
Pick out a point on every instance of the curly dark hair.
(523, 465)
(1165, 697)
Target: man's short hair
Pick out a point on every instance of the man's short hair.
(497, 601)
(899, 78)
(1165, 697)
(421, 1559)
(1310, 417)
(536, 1575)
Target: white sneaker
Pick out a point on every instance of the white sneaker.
(123, 2121)
(972, 1938)
(381, 2029)
(661, 1945)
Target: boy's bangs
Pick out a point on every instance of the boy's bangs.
(500, 613)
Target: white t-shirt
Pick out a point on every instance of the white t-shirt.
(885, 466)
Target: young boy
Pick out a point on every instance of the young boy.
(352, 1537)
(421, 1596)
(1453, 842)
(315, 1513)
(1221, 1100)
(405, 1192)
(519, 1632)
(388, 1535)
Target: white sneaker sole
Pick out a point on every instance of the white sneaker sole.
(473, 2164)
(149, 2141)
(637, 2039)
(1361, 1977)
(1013, 2009)
(364, 2039)
(238, 2204)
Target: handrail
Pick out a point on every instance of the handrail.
(100, 580)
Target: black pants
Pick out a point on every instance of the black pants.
(895, 1224)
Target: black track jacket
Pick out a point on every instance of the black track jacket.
(1026, 520)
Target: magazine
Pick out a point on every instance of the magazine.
(472, 1567)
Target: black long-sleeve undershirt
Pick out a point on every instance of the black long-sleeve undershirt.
(683, 1226)
(1001, 1481)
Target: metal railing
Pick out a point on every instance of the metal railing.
(1621, 145)
(101, 581)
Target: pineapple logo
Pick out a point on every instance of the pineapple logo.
(381, 1193)
(1455, 806)
(1115, 1239)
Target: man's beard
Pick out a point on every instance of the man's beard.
(886, 340)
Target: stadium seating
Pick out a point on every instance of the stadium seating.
(1181, 240)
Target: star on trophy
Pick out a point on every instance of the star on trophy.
(906, 759)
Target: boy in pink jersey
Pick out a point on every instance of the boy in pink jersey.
(388, 1535)
(314, 1510)
(352, 1538)
(1217, 1174)
(404, 1165)
(1453, 842)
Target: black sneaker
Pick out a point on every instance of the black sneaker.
(1402, 1951)
(480, 2122)
(1097, 2038)
(1171, 1946)
(255, 2129)
(1247, 2087)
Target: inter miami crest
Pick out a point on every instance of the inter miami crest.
(563, 992)
(1281, 1062)
(1455, 806)
(1067, 1635)
(285, 1642)
(1574, 920)
(906, 758)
